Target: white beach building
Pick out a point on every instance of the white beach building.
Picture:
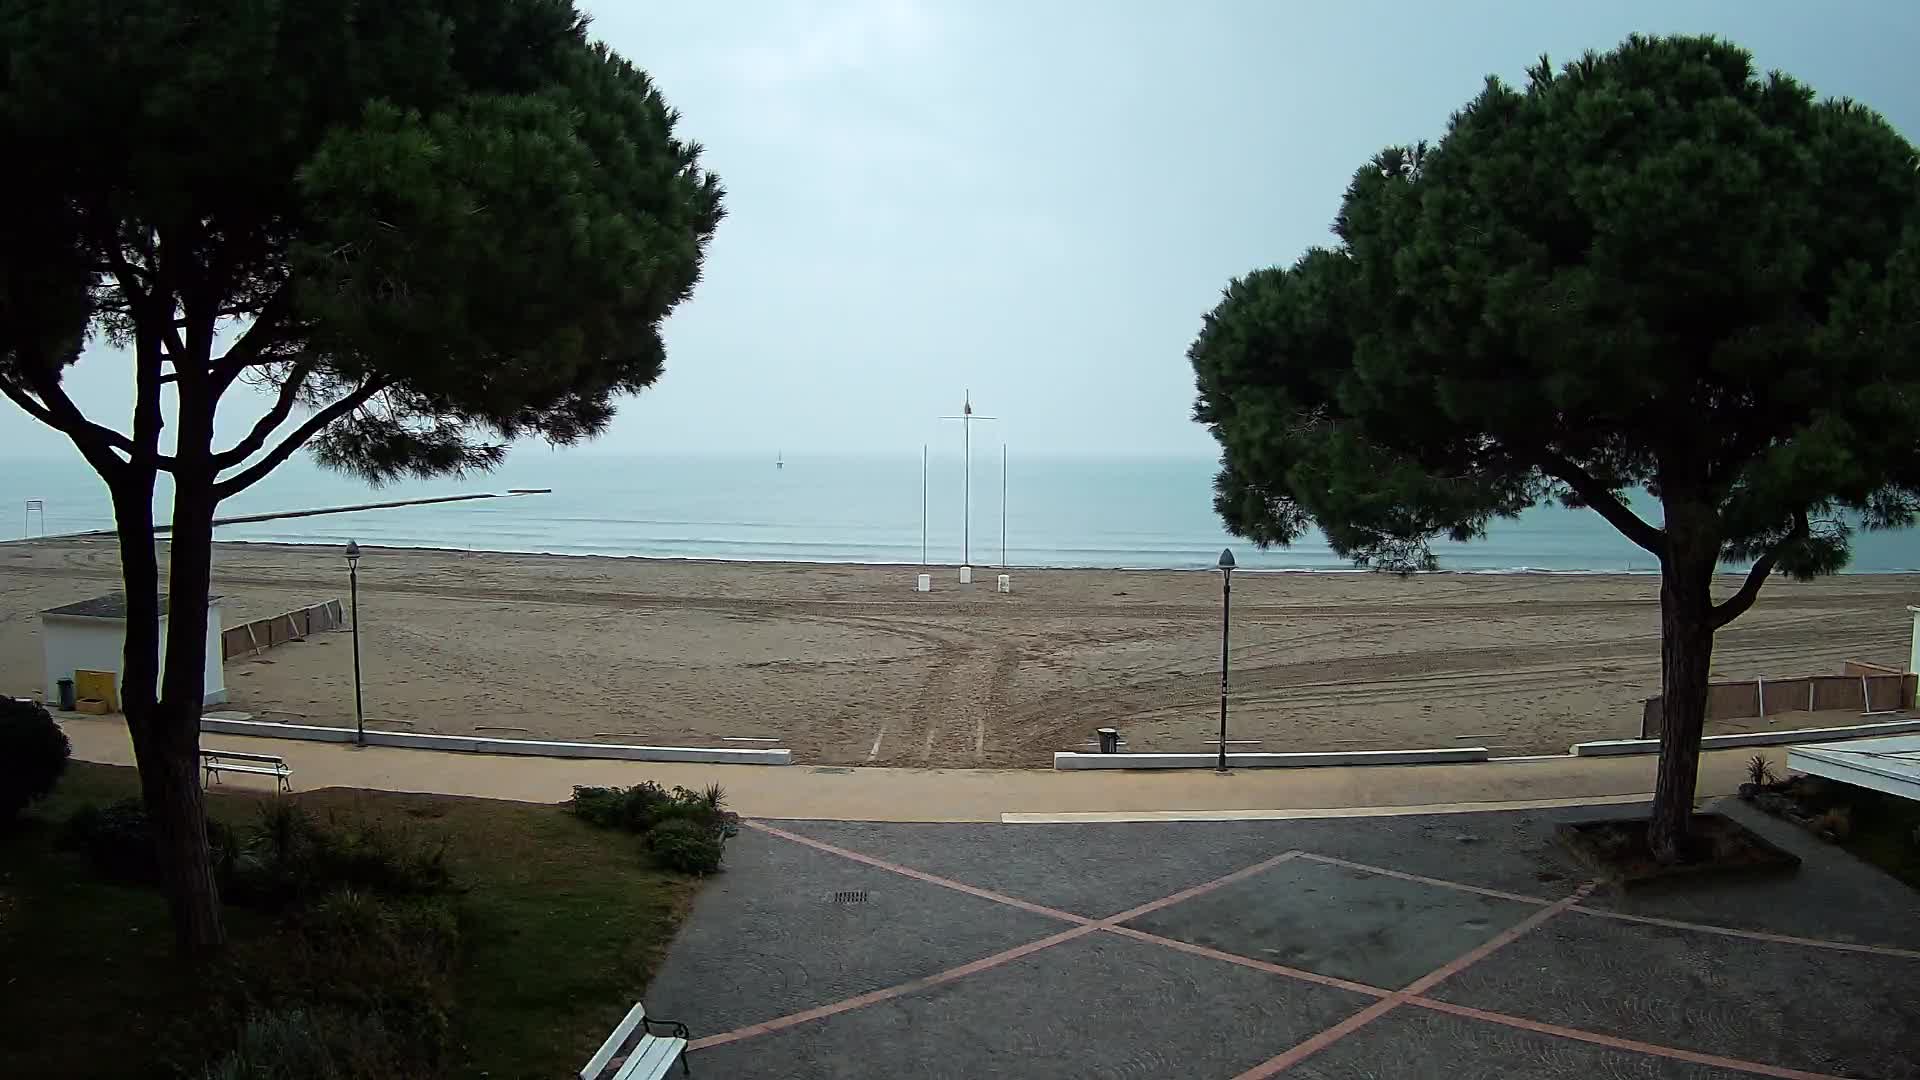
(91, 636)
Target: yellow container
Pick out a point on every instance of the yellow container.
(97, 685)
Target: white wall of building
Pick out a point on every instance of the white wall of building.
(78, 644)
(71, 644)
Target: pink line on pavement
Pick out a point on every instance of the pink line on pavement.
(1613, 1042)
(1458, 886)
(921, 875)
(1249, 962)
(1412, 994)
(1276, 1065)
(1086, 926)
(1751, 935)
(1301, 1052)
(1499, 941)
(1199, 890)
(877, 996)
(1603, 913)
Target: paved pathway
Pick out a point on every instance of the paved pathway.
(884, 794)
(1461, 946)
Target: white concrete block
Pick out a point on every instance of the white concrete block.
(1005, 583)
(923, 583)
(966, 575)
(477, 745)
(1616, 747)
(1072, 760)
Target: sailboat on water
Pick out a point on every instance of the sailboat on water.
(779, 460)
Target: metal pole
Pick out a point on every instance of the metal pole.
(1003, 506)
(966, 469)
(923, 504)
(359, 715)
(1226, 606)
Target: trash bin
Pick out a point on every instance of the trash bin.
(1109, 740)
(66, 695)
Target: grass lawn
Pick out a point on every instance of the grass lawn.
(562, 925)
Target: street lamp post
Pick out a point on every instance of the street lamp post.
(353, 590)
(1226, 605)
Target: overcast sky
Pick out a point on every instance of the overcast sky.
(1039, 200)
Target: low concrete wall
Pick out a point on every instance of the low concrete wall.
(476, 745)
(1612, 747)
(1072, 760)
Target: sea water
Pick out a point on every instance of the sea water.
(1057, 511)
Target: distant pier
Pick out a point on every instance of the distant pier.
(248, 519)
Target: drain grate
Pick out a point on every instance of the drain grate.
(850, 896)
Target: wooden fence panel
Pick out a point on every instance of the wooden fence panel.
(263, 634)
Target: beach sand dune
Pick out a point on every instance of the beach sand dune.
(847, 665)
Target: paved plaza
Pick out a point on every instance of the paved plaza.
(1460, 946)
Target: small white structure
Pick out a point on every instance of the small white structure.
(966, 575)
(1891, 765)
(923, 583)
(91, 636)
(1005, 583)
(1913, 658)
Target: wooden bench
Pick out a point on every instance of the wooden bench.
(649, 1058)
(216, 762)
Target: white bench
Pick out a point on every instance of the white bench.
(216, 762)
(647, 1059)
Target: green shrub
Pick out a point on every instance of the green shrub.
(634, 809)
(288, 859)
(365, 853)
(115, 839)
(686, 845)
(33, 754)
(682, 829)
(367, 979)
(302, 1044)
(639, 808)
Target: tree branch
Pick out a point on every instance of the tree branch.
(124, 271)
(1736, 605)
(86, 435)
(313, 426)
(56, 410)
(1592, 493)
(266, 425)
(245, 352)
(27, 404)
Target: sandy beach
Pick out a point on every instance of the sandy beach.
(847, 665)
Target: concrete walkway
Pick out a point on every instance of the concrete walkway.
(1465, 946)
(823, 793)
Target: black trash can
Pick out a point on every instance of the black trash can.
(1109, 740)
(67, 701)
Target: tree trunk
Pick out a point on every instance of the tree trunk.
(170, 786)
(174, 798)
(165, 743)
(1686, 658)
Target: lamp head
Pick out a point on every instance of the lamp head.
(353, 553)
(1226, 560)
